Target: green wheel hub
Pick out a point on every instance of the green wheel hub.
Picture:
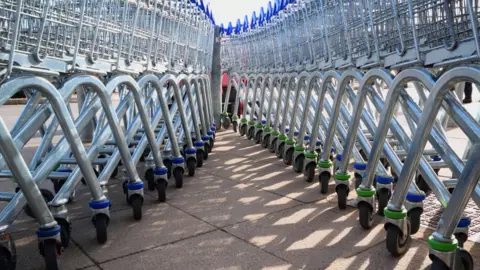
(366, 193)
(442, 246)
(394, 214)
(325, 164)
(342, 176)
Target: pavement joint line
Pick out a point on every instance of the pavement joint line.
(95, 263)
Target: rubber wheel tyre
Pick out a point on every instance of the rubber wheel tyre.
(414, 216)
(243, 130)
(100, 222)
(57, 185)
(466, 259)
(279, 150)
(205, 153)
(383, 196)
(168, 164)
(272, 145)
(250, 133)
(235, 127)
(6, 260)
(199, 155)
(50, 254)
(324, 179)
(211, 145)
(396, 244)
(178, 174)
(265, 141)
(461, 238)
(438, 264)
(422, 184)
(191, 164)
(309, 173)
(47, 197)
(358, 180)
(161, 186)
(258, 137)
(65, 230)
(342, 194)
(226, 123)
(150, 177)
(365, 215)
(298, 164)
(136, 201)
(288, 158)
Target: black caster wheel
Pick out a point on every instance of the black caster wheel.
(178, 174)
(324, 178)
(207, 150)
(438, 264)
(168, 164)
(136, 201)
(451, 190)
(265, 141)
(298, 164)
(243, 130)
(47, 196)
(383, 196)
(342, 194)
(422, 185)
(461, 238)
(7, 262)
(358, 180)
(272, 145)
(414, 216)
(288, 158)
(191, 164)
(65, 230)
(161, 186)
(101, 223)
(234, 125)
(50, 254)
(211, 145)
(309, 173)
(199, 155)
(258, 137)
(226, 123)
(364, 156)
(250, 133)
(57, 185)
(365, 215)
(150, 177)
(279, 150)
(465, 259)
(397, 243)
(115, 172)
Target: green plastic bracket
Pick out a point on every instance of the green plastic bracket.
(366, 193)
(251, 123)
(290, 142)
(275, 133)
(259, 125)
(282, 137)
(325, 164)
(311, 155)
(442, 246)
(394, 214)
(234, 118)
(267, 130)
(243, 120)
(342, 176)
(299, 148)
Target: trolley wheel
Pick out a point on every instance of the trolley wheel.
(363, 154)
(168, 164)
(358, 180)
(383, 196)
(272, 145)
(365, 215)
(47, 197)
(136, 201)
(101, 222)
(397, 243)
(191, 164)
(258, 137)
(150, 177)
(211, 145)
(178, 174)
(422, 185)
(298, 164)
(243, 130)
(309, 173)
(6, 260)
(58, 184)
(279, 150)
(324, 178)
(265, 141)
(205, 153)
(342, 194)
(115, 172)
(226, 123)
(250, 133)
(234, 124)
(50, 254)
(465, 258)
(199, 155)
(288, 158)
(414, 218)
(461, 238)
(438, 264)
(161, 186)
(451, 190)
(65, 230)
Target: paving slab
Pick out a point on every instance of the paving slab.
(29, 258)
(222, 202)
(215, 250)
(310, 236)
(161, 224)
